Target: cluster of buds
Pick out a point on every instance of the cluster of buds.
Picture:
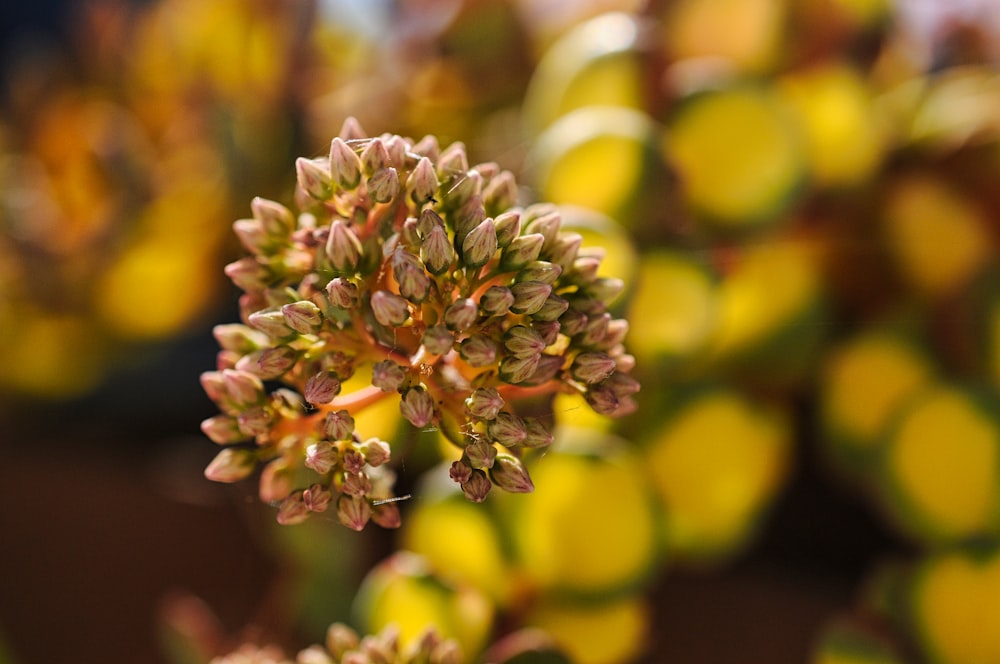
(343, 646)
(405, 263)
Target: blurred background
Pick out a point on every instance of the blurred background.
(802, 197)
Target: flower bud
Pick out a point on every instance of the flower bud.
(477, 486)
(302, 316)
(592, 367)
(242, 388)
(602, 399)
(409, 273)
(508, 225)
(548, 367)
(343, 247)
(321, 457)
(383, 185)
(478, 350)
(292, 510)
(276, 219)
(271, 363)
(452, 161)
(417, 406)
(521, 251)
(317, 498)
(314, 178)
(321, 388)
(615, 332)
(547, 329)
(231, 465)
(501, 192)
(516, 370)
(397, 148)
(255, 421)
(351, 129)
(339, 639)
(537, 435)
(529, 296)
(507, 429)
(480, 453)
(551, 310)
(467, 217)
(390, 309)
(376, 452)
(460, 472)
(461, 314)
(375, 157)
(622, 384)
(480, 244)
(342, 293)
(605, 289)
(436, 250)
(573, 322)
(353, 461)
(386, 515)
(542, 271)
(353, 512)
(272, 323)
(422, 183)
(239, 338)
(563, 251)
(496, 301)
(356, 484)
(484, 403)
(388, 376)
(222, 429)
(544, 219)
(428, 147)
(345, 166)
(595, 330)
(252, 236)
(523, 341)
(438, 340)
(447, 652)
(509, 474)
(248, 274)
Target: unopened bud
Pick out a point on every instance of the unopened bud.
(417, 406)
(523, 341)
(353, 512)
(436, 250)
(595, 330)
(342, 293)
(521, 251)
(563, 251)
(507, 429)
(480, 244)
(376, 452)
(615, 332)
(248, 274)
(292, 510)
(480, 453)
(252, 236)
(516, 370)
(239, 338)
(592, 367)
(484, 403)
(272, 323)
(274, 362)
(277, 220)
(509, 474)
(529, 296)
(356, 484)
(321, 457)
(542, 271)
(387, 515)
(461, 314)
(345, 166)
(222, 429)
(242, 388)
(496, 301)
(452, 161)
(375, 157)
(477, 486)
(317, 498)
(353, 461)
(605, 289)
(314, 178)
(602, 399)
(383, 185)
(231, 465)
(422, 183)
(414, 283)
(390, 309)
(544, 219)
(548, 367)
(622, 384)
(547, 329)
(256, 421)
(339, 639)
(508, 225)
(428, 147)
(321, 388)
(501, 192)
(573, 322)
(388, 376)
(551, 310)
(537, 434)
(438, 340)
(447, 652)
(478, 350)
(302, 316)
(343, 247)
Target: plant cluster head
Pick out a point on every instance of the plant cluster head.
(406, 264)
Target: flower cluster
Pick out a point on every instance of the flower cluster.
(343, 646)
(405, 263)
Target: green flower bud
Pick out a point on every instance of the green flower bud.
(338, 425)
(353, 512)
(516, 370)
(390, 309)
(438, 340)
(478, 350)
(523, 341)
(592, 367)
(277, 220)
(461, 314)
(375, 157)
(223, 429)
(248, 274)
(343, 247)
(239, 338)
(507, 429)
(388, 376)
(484, 403)
(496, 301)
(321, 388)
(317, 498)
(383, 185)
(529, 296)
(345, 165)
(509, 474)
(480, 244)
(422, 183)
(542, 271)
(342, 293)
(521, 251)
(292, 510)
(417, 406)
(314, 178)
(436, 250)
(231, 465)
(302, 316)
(321, 457)
(508, 225)
(480, 453)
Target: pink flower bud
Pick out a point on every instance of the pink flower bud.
(602, 399)
(537, 435)
(383, 186)
(460, 472)
(496, 300)
(275, 362)
(461, 314)
(239, 338)
(529, 296)
(314, 178)
(321, 457)
(544, 219)
(387, 515)
(592, 367)
(388, 376)
(523, 341)
(342, 293)
(436, 250)
(303, 316)
(509, 474)
(423, 182)
(516, 370)
(271, 323)
(243, 389)
(477, 486)
(353, 512)
(375, 156)
(563, 251)
(338, 425)
(351, 129)
(480, 454)
(247, 274)
(438, 340)
(478, 350)
(321, 388)
(508, 225)
(501, 192)
(480, 244)
(548, 367)
(252, 236)
(339, 639)
(390, 309)
(343, 247)
(353, 461)
(316, 498)
(275, 481)
(277, 220)
(356, 484)
(452, 161)
(507, 429)
(573, 322)
(293, 510)
(417, 406)
(376, 452)
(223, 429)
(231, 465)
(484, 403)
(345, 166)
(255, 421)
